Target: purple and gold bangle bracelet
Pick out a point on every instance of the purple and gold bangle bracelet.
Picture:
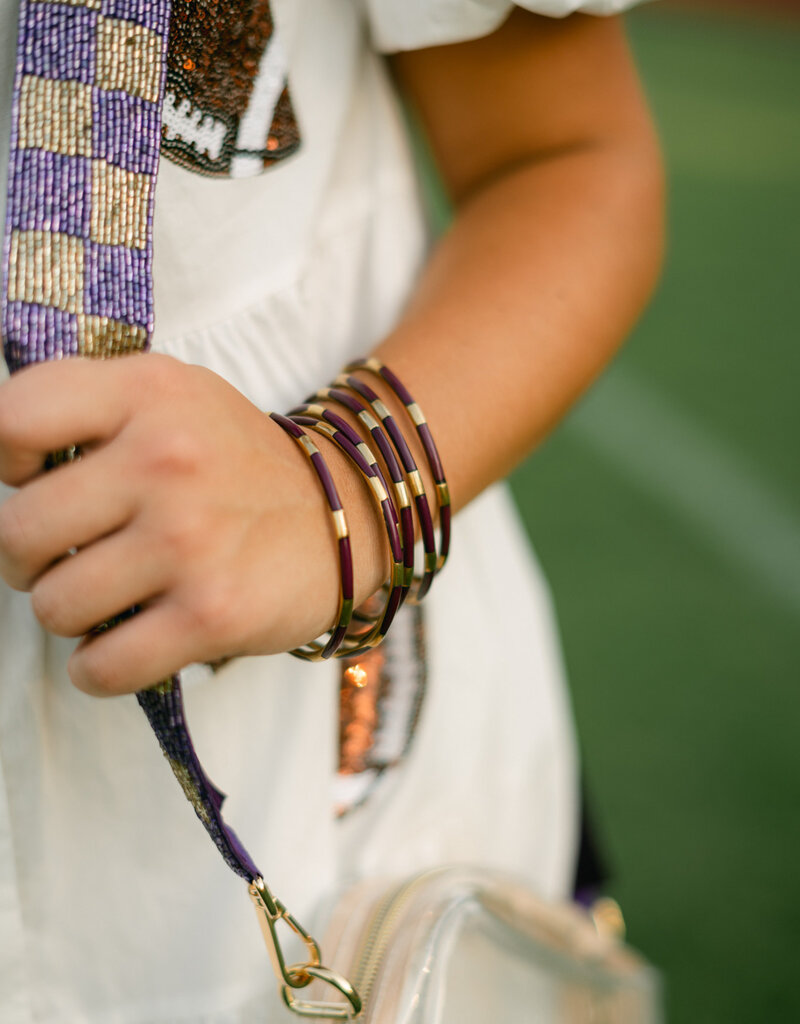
(375, 366)
(342, 434)
(401, 493)
(315, 650)
(413, 474)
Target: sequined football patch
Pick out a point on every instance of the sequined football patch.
(227, 111)
(380, 700)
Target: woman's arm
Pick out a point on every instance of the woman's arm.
(546, 146)
(192, 503)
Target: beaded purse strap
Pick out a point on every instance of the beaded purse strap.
(85, 140)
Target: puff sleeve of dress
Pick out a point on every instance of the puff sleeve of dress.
(412, 24)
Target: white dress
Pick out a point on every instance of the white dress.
(114, 906)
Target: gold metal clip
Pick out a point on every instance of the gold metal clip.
(270, 912)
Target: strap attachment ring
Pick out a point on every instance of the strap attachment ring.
(270, 912)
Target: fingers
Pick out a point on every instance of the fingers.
(54, 405)
(153, 645)
(68, 508)
(98, 583)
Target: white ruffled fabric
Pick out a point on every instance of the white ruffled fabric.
(413, 24)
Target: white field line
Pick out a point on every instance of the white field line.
(675, 460)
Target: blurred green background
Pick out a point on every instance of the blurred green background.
(666, 513)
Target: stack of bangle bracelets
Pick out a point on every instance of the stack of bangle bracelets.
(357, 630)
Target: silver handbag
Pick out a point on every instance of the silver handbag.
(460, 945)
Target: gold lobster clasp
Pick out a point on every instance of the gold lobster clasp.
(291, 977)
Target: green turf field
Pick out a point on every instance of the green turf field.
(666, 511)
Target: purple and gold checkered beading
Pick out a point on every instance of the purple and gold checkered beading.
(84, 151)
(86, 133)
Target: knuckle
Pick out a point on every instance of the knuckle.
(182, 537)
(95, 675)
(9, 420)
(159, 375)
(50, 610)
(212, 613)
(14, 539)
(177, 453)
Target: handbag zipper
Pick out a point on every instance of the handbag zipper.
(368, 960)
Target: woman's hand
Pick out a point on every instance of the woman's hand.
(188, 501)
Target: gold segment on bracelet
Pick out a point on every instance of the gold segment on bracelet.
(402, 494)
(369, 421)
(340, 523)
(417, 486)
(378, 488)
(415, 413)
(308, 444)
